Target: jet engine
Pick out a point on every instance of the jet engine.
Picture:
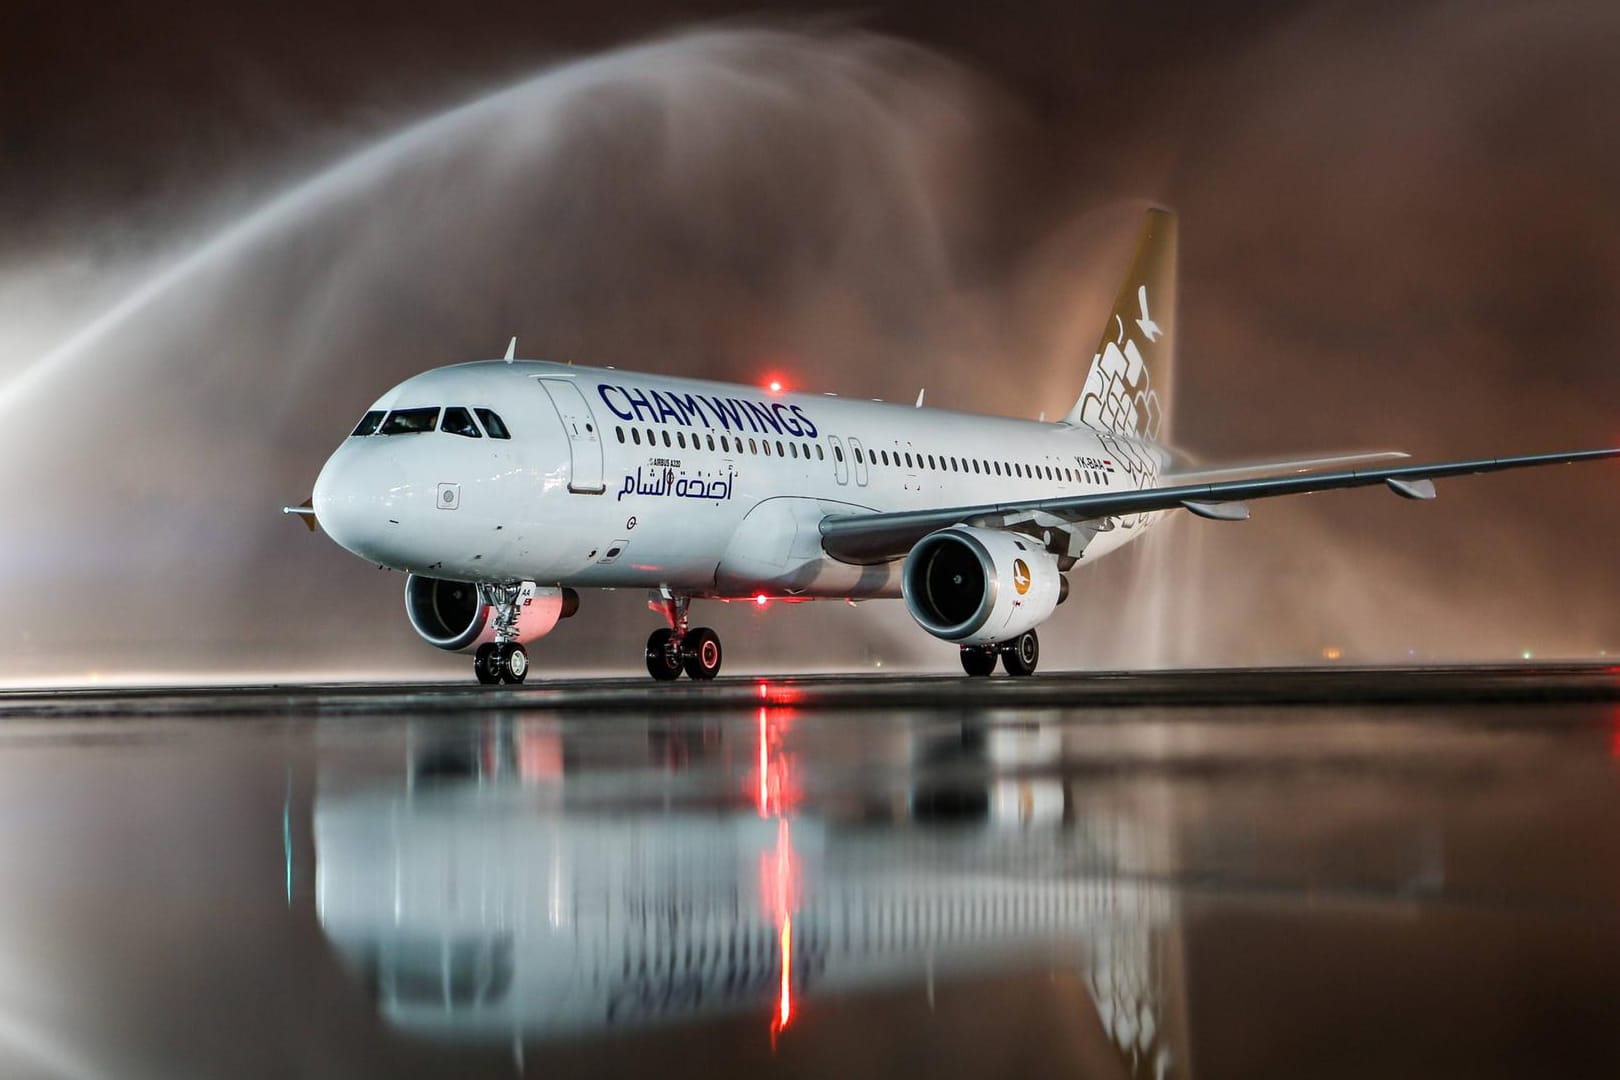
(980, 586)
(459, 616)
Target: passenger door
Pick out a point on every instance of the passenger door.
(840, 462)
(584, 441)
(860, 460)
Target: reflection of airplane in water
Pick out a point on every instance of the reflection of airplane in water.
(490, 898)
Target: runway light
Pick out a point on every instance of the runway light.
(762, 599)
(1332, 652)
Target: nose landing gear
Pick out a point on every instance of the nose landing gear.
(675, 648)
(503, 660)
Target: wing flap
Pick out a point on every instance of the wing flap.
(1217, 511)
(878, 537)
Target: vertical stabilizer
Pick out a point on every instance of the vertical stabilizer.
(1127, 390)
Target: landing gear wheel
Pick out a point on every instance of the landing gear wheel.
(977, 660)
(663, 660)
(1021, 654)
(484, 666)
(700, 653)
(513, 660)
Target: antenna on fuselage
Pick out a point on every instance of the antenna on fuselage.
(511, 350)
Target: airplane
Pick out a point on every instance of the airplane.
(493, 896)
(504, 487)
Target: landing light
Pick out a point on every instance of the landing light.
(762, 599)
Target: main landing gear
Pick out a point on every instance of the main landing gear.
(503, 660)
(1019, 656)
(675, 648)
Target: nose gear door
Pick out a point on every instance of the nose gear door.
(584, 441)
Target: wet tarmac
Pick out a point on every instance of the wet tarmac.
(1264, 873)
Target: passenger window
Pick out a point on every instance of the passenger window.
(369, 423)
(410, 421)
(635, 436)
(931, 461)
(492, 424)
(793, 447)
(819, 455)
(753, 447)
(725, 444)
(680, 439)
(458, 421)
(711, 442)
(779, 451)
(859, 458)
(619, 431)
(666, 438)
(838, 452)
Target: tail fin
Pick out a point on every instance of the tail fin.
(1127, 391)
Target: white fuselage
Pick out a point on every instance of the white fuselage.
(623, 479)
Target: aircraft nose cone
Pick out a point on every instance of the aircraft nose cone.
(356, 501)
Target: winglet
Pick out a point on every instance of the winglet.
(511, 350)
(920, 394)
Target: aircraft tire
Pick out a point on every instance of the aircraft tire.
(484, 664)
(700, 653)
(976, 661)
(663, 662)
(512, 659)
(1020, 655)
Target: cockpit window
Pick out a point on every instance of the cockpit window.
(492, 424)
(458, 421)
(369, 423)
(410, 421)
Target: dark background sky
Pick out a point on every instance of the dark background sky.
(1398, 229)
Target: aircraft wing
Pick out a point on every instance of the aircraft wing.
(1200, 475)
(879, 537)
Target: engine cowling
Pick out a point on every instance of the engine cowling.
(458, 615)
(980, 586)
